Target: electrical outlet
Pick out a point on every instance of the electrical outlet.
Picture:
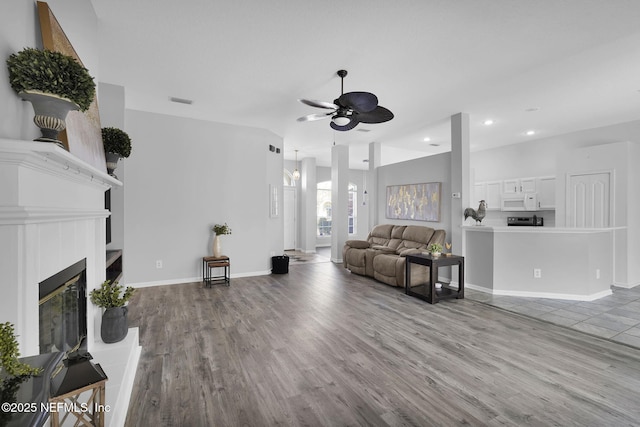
(159, 263)
(455, 195)
(537, 273)
(597, 273)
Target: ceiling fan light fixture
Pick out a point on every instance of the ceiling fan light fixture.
(341, 120)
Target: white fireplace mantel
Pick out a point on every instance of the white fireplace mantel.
(52, 215)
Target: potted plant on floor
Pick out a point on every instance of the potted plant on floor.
(54, 83)
(115, 324)
(12, 371)
(117, 145)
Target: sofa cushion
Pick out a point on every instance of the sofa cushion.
(415, 237)
(380, 235)
(358, 244)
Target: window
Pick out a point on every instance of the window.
(324, 208)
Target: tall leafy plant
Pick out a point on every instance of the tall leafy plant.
(51, 72)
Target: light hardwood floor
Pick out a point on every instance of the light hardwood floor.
(320, 346)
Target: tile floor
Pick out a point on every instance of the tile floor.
(615, 317)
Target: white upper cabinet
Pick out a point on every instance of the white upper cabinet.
(490, 192)
(519, 185)
(546, 192)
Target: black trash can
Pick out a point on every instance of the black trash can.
(280, 264)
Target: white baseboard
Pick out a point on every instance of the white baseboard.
(550, 295)
(193, 279)
(626, 285)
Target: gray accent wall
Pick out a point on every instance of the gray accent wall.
(186, 175)
(435, 168)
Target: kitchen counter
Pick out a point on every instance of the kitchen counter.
(543, 262)
(524, 229)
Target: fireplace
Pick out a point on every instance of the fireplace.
(63, 309)
(52, 225)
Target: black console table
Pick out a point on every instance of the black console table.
(428, 291)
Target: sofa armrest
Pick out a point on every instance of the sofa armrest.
(357, 244)
(410, 251)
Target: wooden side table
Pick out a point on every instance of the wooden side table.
(429, 292)
(211, 262)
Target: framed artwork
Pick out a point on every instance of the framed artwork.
(273, 201)
(419, 202)
(83, 135)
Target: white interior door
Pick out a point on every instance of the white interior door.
(589, 200)
(289, 217)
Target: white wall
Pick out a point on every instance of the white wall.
(184, 176)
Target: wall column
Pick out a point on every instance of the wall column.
(460, 182)
(339, 200)
(308, 196)
(372, 183)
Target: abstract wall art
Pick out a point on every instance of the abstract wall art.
(419, 202)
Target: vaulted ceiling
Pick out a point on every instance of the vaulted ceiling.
(547, 65)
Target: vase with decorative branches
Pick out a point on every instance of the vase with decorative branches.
(219, 230)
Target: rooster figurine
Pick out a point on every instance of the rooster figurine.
(477, 215)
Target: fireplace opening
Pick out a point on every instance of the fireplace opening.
(63, 310)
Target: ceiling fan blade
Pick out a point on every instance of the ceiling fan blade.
(362, 102)
(314, 117)
(378, 115)
(319, 104)
(353, 123)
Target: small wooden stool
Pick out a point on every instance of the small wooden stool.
(211, 262)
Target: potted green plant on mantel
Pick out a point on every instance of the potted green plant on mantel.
(12, 371)
(115, 324)
(54, 83)
(117, 145)
(219, 230)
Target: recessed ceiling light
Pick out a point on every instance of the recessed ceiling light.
(426, 139)
(488, 122)
(530, 132)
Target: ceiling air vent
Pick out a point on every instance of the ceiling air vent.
(363, 130)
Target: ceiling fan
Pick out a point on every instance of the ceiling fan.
(349, 109)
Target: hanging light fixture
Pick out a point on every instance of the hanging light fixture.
(296, 172)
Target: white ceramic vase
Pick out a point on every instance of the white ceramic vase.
(217, 246)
